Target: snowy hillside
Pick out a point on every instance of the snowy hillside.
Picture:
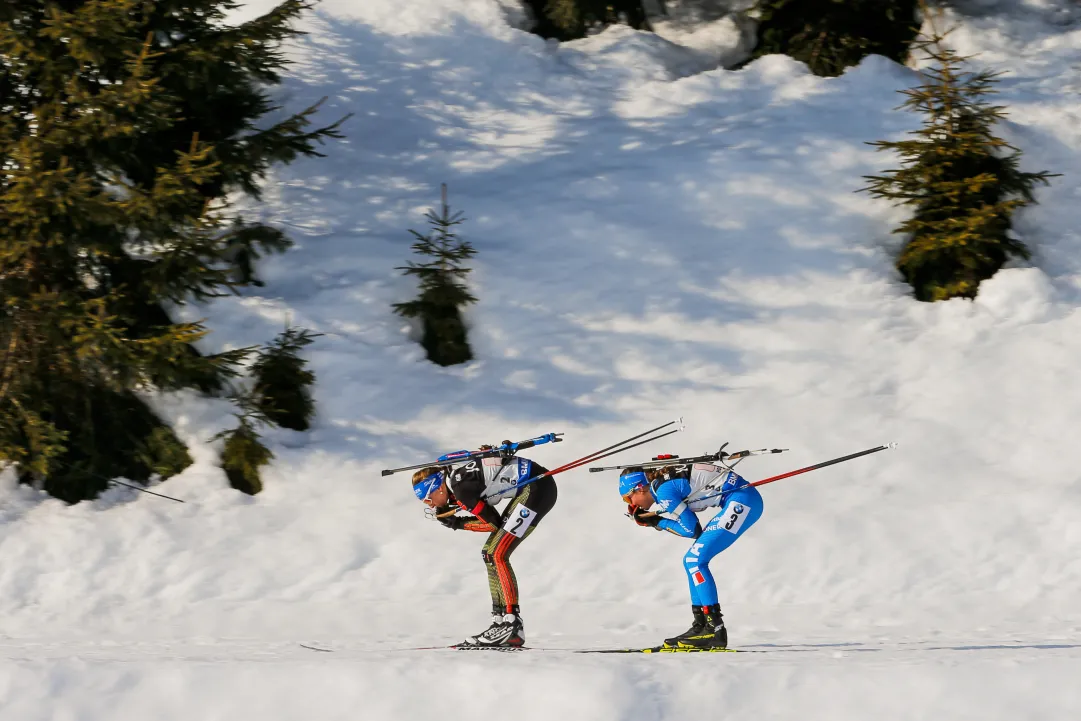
(655, 239)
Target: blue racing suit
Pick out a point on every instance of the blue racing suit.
(695, 488)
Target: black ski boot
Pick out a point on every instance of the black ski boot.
(713, 634)
(696, 629)
(506, 631)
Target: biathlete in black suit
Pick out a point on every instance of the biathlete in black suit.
(475, 489)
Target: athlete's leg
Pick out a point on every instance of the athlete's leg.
(521, 517)
(741, 510)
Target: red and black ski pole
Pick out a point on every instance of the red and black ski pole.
(611, 450)
(824, 464)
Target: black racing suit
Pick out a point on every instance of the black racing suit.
(468, 487)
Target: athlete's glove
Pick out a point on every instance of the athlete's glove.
(454, 523)
(643, 517)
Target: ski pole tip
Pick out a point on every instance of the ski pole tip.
(595, 470)
(386, 473)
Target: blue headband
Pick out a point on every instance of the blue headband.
(429, 485)
(629, 481)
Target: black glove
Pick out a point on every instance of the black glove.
(643, 517)
(453, 522)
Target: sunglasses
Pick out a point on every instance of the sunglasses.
(428, 486)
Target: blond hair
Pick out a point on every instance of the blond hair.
(424, 473)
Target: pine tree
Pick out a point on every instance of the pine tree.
(442, 294)
(282, 381)
(831, 35)
(962, 181)
(244, 453)
(113, 207)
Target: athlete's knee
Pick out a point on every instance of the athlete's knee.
(693, 556)
(502, 551)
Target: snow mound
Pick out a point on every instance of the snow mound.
(637, 55)
(720, 37)
(1020, 295)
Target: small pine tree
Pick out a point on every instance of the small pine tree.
(955, 176)
(282, 382)
(831, 35)
(442, 294)
(244, 454)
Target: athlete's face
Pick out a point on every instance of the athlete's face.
(439, 497)
(641, 497)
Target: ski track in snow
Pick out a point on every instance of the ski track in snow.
(654, 239)
(280, 680)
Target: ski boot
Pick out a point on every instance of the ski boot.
(707, 632)
(695, 630)
(506, 631)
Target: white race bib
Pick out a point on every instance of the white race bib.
(733, 517)
(520, 521)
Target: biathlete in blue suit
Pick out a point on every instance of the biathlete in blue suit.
(667, 499)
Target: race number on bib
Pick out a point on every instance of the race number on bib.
(733, 517)
(519, 521)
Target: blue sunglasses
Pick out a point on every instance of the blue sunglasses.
(429, 485)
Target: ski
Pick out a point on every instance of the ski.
(651, 649)
(505, 649)
(662, 649)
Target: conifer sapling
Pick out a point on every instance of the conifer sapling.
(442, 292)
(283, 382)
(962, 181)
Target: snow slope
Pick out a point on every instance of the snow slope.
(653, 241)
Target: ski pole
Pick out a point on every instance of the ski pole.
(815, 467)
(598, 454)
(605, 452)
(570, 467)
(121, 483)
(143, 490)
(801, 470)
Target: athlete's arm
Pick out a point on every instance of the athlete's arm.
(467, 484)
(686, 525)
(447, 517)
(479, 526)
(678, 518)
